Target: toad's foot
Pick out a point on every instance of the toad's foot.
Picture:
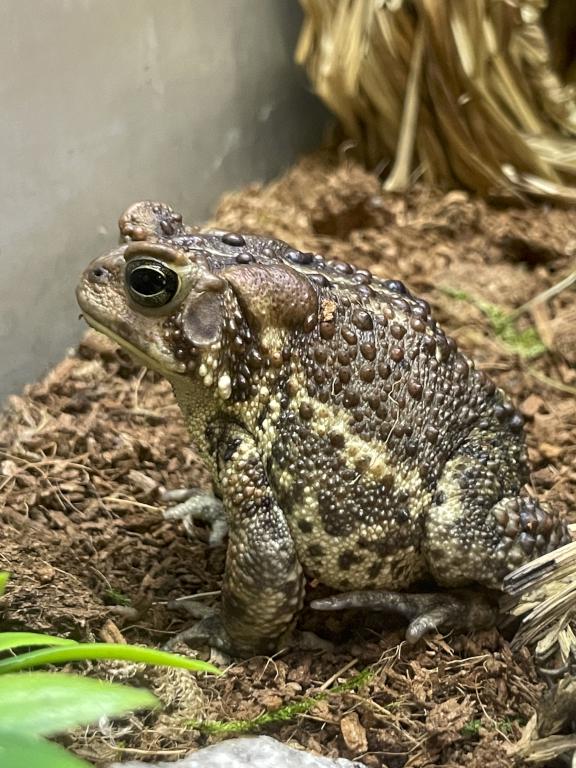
(208, 632)
(426, 612)
(198, 505)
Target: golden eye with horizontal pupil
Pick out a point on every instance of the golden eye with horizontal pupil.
(151, 283)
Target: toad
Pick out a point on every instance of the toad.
(348, 439)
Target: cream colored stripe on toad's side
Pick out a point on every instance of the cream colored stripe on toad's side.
(398, 569)
(327, 419)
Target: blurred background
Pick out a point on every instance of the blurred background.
(104, 103)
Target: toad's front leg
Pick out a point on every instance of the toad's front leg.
(263, 586)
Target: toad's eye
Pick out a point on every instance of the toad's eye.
(150, 283)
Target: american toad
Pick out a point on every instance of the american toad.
(348, 438)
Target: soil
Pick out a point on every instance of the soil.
(86, 453)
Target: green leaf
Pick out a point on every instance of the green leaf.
(94, 651)
(17, 750)
(44, 703)
(11, 640)
(4, 577)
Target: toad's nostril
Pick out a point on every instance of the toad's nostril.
(99, 274)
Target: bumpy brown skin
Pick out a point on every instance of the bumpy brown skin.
(347, 436)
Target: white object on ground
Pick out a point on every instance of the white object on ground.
(249, 752)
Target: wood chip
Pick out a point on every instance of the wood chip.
(353, 733)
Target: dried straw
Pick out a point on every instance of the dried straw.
(543, 592)
(461, 92)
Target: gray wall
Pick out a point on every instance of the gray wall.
(105, 102)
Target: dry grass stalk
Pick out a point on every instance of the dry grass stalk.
(545, 736)
(544, 593)
(483, 108)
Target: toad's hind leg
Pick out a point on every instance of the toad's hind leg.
(426, 611)
(482, 524)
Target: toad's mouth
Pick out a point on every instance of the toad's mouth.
(139, 354)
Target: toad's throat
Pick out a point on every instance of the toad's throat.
(137, 353)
